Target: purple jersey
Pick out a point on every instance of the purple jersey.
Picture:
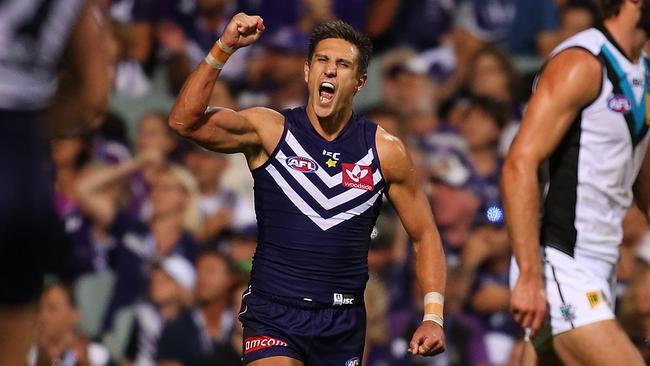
(316, 203)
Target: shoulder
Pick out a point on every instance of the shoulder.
(573, 73)
(393, 156)
(263, 117)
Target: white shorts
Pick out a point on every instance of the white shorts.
(579, 291)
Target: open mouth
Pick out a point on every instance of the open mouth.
(326, 92)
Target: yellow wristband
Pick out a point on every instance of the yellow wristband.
(218, 55)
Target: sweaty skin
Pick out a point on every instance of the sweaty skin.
(256, 132)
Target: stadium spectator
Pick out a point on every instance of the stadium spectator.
(481, 129)
(217, 204)
(635, 312)
(58, 343)
(575, 16)
(276, 74)
(134, 35)
(153, 137)
(534, 23)
(186, 31)
(201, 335)
(489, 297)
(175, 216)
(170, 291)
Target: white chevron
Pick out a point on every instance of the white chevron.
(329, 180)
(304, 207)
(315, 193)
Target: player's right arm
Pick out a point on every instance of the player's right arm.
(570, 81)
(222, 129)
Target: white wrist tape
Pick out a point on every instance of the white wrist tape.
(433, 307)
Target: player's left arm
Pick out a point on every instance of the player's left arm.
(412, 206)
(642, 187)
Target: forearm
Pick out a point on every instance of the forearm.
(430, 266)
(105, 176)
(189, 109)
(521, 204)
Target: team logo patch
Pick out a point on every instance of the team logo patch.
(568, 312)
(595, 298)
(354, 361)
(619, 103)
(252, 344)
(301, 164)
(357, 176)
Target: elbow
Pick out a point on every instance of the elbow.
(176, 124)
(518, 167)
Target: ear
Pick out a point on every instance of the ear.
(306, 70)
(361, 82)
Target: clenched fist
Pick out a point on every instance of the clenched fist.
(242, 31)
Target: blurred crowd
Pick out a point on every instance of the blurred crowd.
(160, 233)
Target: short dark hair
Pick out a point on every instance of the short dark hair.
(342, 30)
(609, 8)
(495, 109)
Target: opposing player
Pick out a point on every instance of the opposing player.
(320, 172)
(588, 117)
(34, 35)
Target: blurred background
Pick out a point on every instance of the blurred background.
(161, 232)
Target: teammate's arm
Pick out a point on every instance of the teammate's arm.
(220, 129)
(570, 81)
(642, 187)
(85, 85)
(413, 208)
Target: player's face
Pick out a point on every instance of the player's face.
(333, 76)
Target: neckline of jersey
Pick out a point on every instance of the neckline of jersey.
(601, 27)
(342, 135)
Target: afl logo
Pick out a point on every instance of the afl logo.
(619, 103)
(353, 362)
(301, 164)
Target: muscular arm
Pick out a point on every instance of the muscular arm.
(570, 81)
(221, 129)
(413, 208)
(642, 187)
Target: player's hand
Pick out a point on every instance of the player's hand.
(242, 30)
(428, 340)
(528, 302)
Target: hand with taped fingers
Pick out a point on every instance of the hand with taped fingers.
(242, 31)
(528, 302)
(428, 340)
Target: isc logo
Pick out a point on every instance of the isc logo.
(301, 164)
(341, 299)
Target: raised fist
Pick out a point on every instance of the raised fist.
(242, 30)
